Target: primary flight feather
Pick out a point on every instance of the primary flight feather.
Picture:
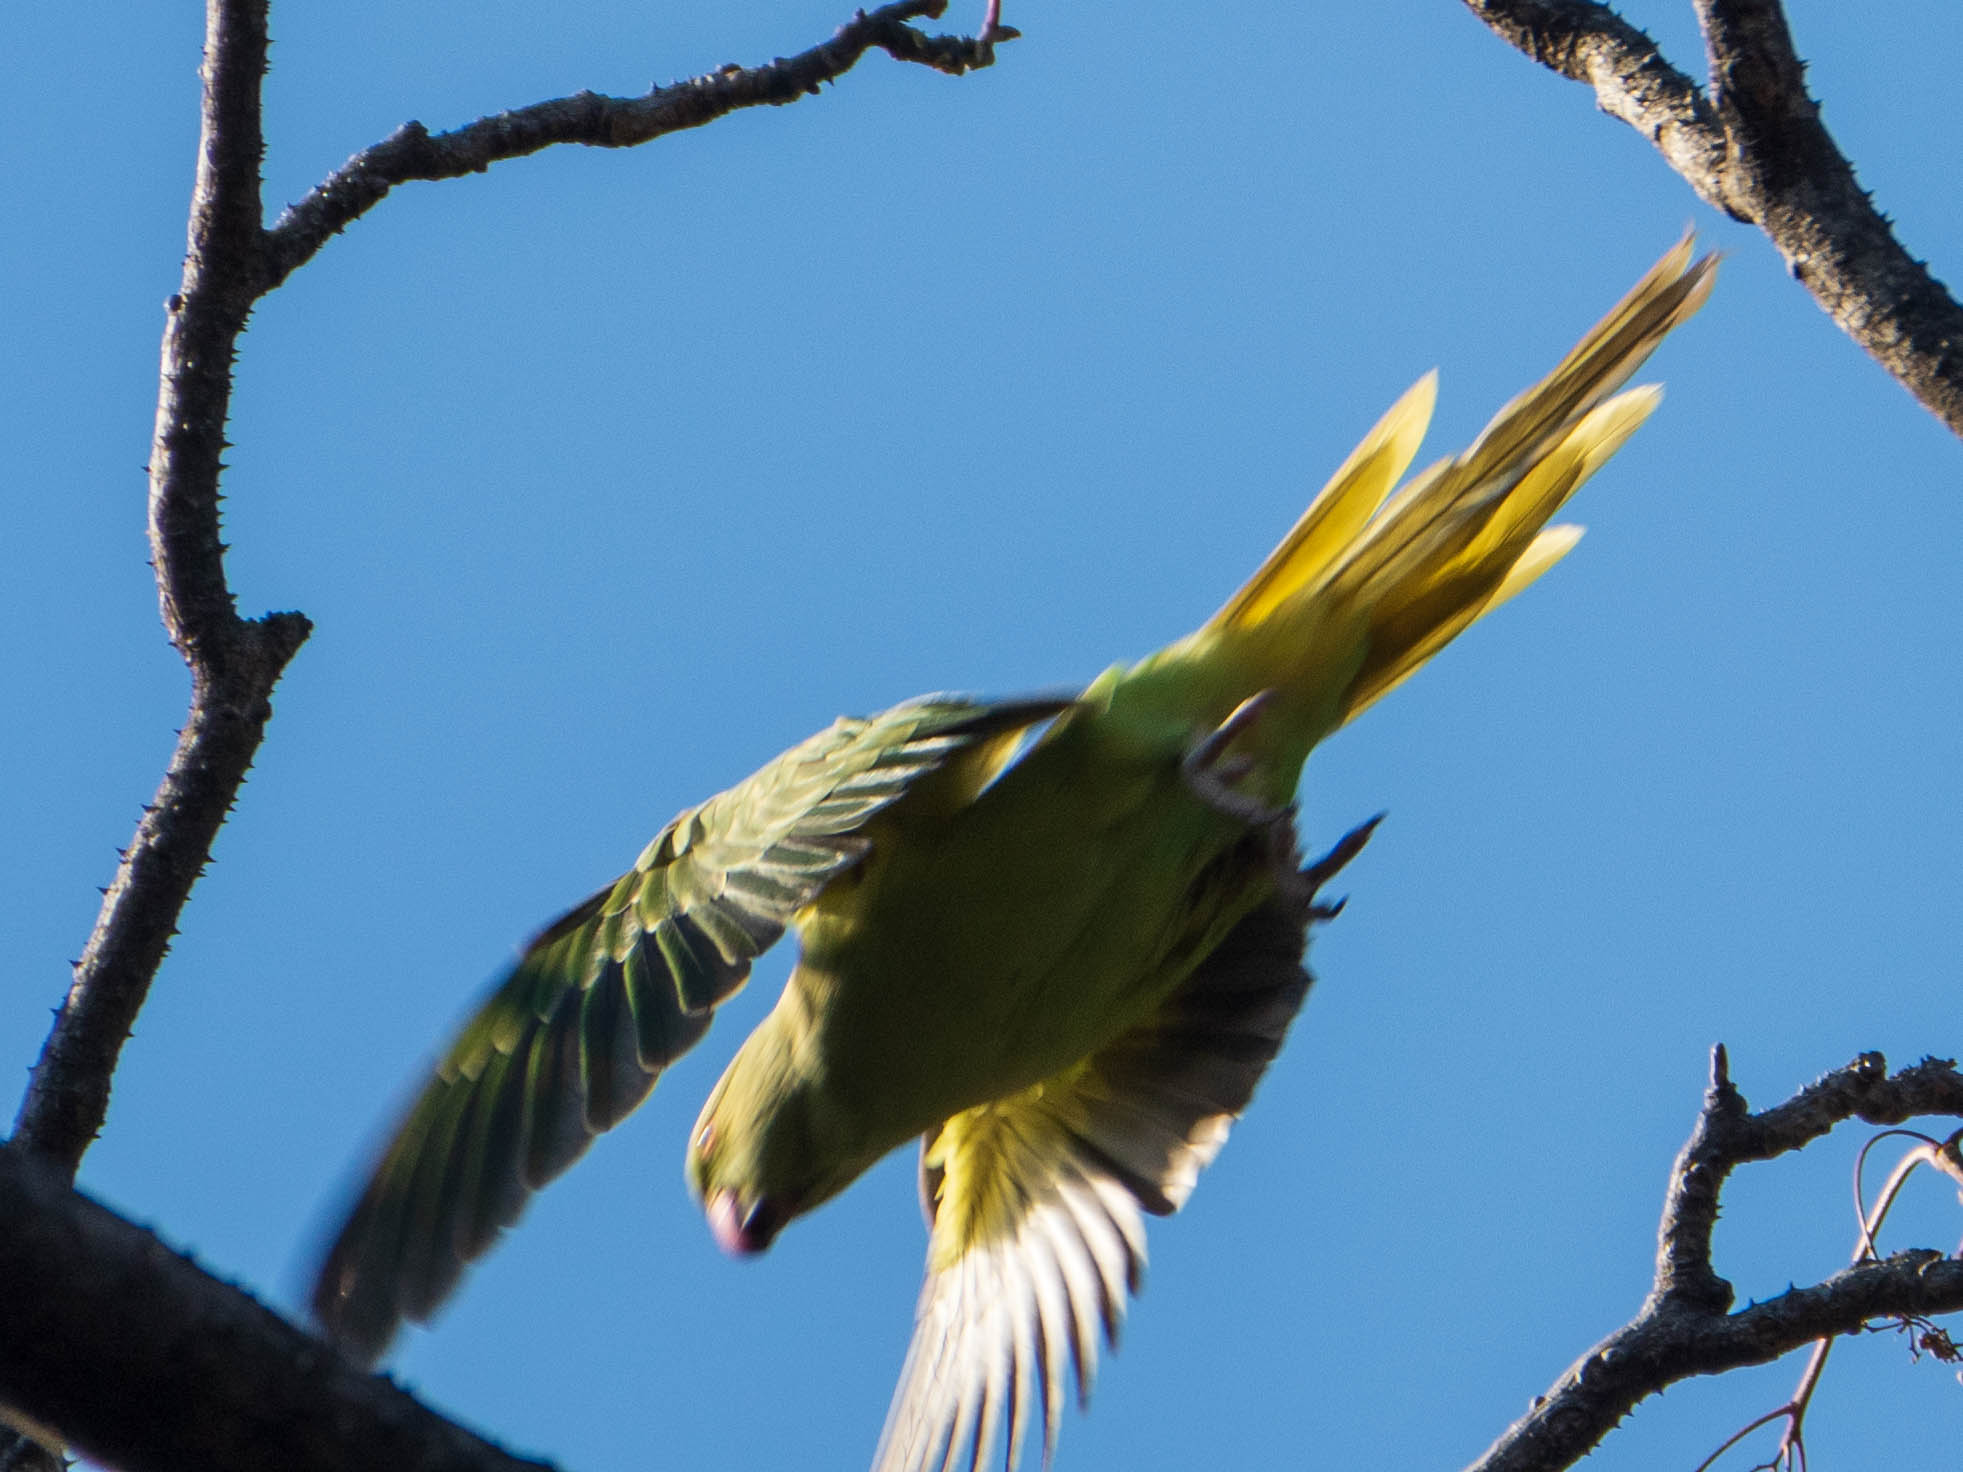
(1055, 939)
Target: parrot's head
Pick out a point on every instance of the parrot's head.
(766, 1148)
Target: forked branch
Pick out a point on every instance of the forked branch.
(232, 261)
(1751, 143)
(1685, 1326)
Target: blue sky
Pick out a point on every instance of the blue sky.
(605, 476)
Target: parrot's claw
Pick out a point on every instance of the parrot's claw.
(1208, 770)
(1331, 864)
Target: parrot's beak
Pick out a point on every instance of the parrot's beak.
(742, 1233)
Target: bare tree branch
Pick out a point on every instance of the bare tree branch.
(230, 263)
(1753, 145)
(412, 152)
(137, 1357)
(1590, 43)
(1684, 1327)
(234, 662)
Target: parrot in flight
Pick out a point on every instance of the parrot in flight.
(1055, 939)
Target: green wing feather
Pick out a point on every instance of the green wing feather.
(614, 991)
(1037, 1202)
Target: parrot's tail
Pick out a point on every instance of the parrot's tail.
(1398, 575)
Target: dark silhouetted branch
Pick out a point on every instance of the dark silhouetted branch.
(138, 1358)
(1685, 1326)
(232, 261)
(412, 152)
(234, 662)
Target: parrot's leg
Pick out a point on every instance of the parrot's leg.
(1208, 769)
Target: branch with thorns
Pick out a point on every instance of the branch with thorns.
(414, 153)
(1686, 1325)
(232, 262)
(1926, 1337)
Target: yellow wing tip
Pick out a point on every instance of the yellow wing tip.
(1678, 261)
(1397, 434)
(1549, 547)
(1404, 424)
(1421, 556)
(1340, 510)
(1553, 543)
(1605, 428)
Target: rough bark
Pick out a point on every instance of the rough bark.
(1751, 143)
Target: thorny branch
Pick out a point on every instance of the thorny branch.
(234, 662)
(232, 260)
(1751, 143)
(412, 152)
(1685, 1326)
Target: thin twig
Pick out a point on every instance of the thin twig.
(1684, 1327)
(1792, 1443)
(1739, 1435)
(412, 152)
(1753, 145)
(234, 662)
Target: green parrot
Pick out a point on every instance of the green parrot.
(1056, 939)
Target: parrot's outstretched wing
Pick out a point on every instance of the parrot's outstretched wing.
(618, 988)
(1037, 1202)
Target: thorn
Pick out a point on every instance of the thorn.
(1720, 1068)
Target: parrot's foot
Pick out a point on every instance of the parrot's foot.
(1208, 769)
(1331, 864)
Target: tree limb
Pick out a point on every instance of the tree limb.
(137, 1357)
(412, 152)
(234, 662)
(1684, 1327)
(230, 263)
(1753, 145)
